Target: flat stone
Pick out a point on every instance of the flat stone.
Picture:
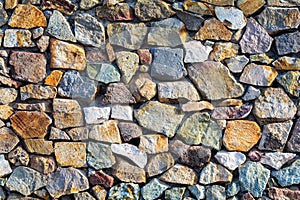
(118, 12)
(64, 6)
(251, 94)
(287, 43)
(32, 91)
(27, 66)
(4, 166)
(8, 140)
(267, 109)
(283, 193)
(196, 106)
(53, 78)
(106, 132)
(204, 76)
(287, 176)
(196, 52)
(43, 164)
(66, 181)
(199, 8)
(39, 146)
(20, 178)
(67, 113)
(241, 135)
(232, 112)
(101, 178)
(180, 174)
(128, 64)
(198, 191)
(167, 64)
(159, 163)
(5, 112)
(288, 3)
(122, 112)
(79, 133)
(223, 50)
(253, 178)
(117, 93)
(159, 117)
(193, 22)
(220, 2)
(18, 157)
(83, 195)
(88, 4)
(230, 102)
(142, 87)
(103, 72)
(213, 29)
(30, 124)
(276, 159)
(96, 115)
(232, 17)
(287, 63)
(152, 144)
(194, 156)
(213, 173)
(230, 160)
(250, 6)
(124, 190)
(261, 58)
(45, 107)
(293, 143)
(129, 130)
(43, 43)
(255, 39)
(275, 19)
(175, 193)
(290, 82)
(99, 155)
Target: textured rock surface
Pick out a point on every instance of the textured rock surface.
(293, 143)
(180, 174)
(106, 132)
(287, 176)
(232, 17)
(125, 190)
(277, 159)
(250, 6)
(99, 155)
(103, 72)
(231, 160)
(213, 173)
(287, 43)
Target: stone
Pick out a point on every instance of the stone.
(118, 12)
(282, 193)
(287, 63)
(142, 87)
(128, 64)
(275, 136)
(154, 10)
(106, 132)
(237, 63)
(4, 166)
(198, 191)
(83, 195)
(159, 117)
(20, 178)
(8, 140)
(215, 192)
(70, 154)
(89, 31)
(67, 113)
(145, 56)
(293, 143)
(194, 156)
(18, 157)
(66, 181)
(220, 2)
(275, 19)
(223, 50)
(196, 106)
(198, 8)
(100, 155)
(175, 193)
(258, 75)
(255, 155)
(39, 146)
(42, 164)
(193, 22)
(37, 32)
(117, 93)
(2, 194)
(10, 4)
(27, 66)
(3, 67)
(167, 64)
(5, 112)
(103, 72)
(79, 133)
(54, 78)
(124, 191)
(251, 94)
(44, 107)
(232, 112)
(159, 163)
(204, 76)
(233, 188)
(261, 58)
(255, 39)
(213, 29)
(96, 115)
(232, 17)
(64, 6)
(152, 144)
(276, 159)
(278, 3)
(3, 15)
(287, 43)
(241, 135)
(43, 43)
(59, 27)
(180, 174)
(266, 107)
(32, 91)
(122, 112)
(289, 81)
(249, 6)
(101, 178)
(196, 52)
(9, 82)
(230, 160)
(153, 189)
(129, 130)
(213, 173)
(88, 4)
(287, 176)
(213, 136)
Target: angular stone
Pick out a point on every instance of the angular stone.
(232, 17)
(37, 32)
(288, 176)
(288, 3)
(213, 136)
(159, 117)
(4, 166)
(18, 157)
(64, 6)
(159, 163)
(241, 135)
(198, 8)
(213, 29)
(122, 112)
(39, 146)
(67, 113)
(213, 173)
(3, 15)
(118, 12)
(194, 156)
(153, 144)
(198, 191)
(101, 178)
(117, 93)
(103, 72)
(180, 174)
(220, 2)
(45, 165)
(276, 159)
(196, 52)
(79, 133)
(100, 155)
(283, 193)
(255, 39)
(142, 87)
(232, 112)
(99, 192)
(145, 56)
(88, 4)
(275, 19)
(290, 82)
(223, 50)
(204, 76)
(124, 190)
(43, 43)
(287, 63)
(9, 82)
(196, 106)
(274, 105)
(66, 181)
(8, 140)
(251, 94)
(32, 91)
(261, 58)
(193, 22)
(288, 43)
(53, 78)
(152, 10)
(44, 107)
(83, 195)
(233, 188)
(129, 130)
(293, 144)
(153, 189)
(5, 112)
(231, 160)
(96, 115)
(106, 132)
(250, 6)
(175, 193)
(253, 178)
(25, 180)
(128, 64)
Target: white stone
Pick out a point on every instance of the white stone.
(4, 166)
(276, 159)
(96, 115)
(195, 51)
(231, 160)
(122, 112)
(232, 17)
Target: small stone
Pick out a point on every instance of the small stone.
(253, 177)
(67, 113)
(93, 34)
(117, 93)
(79, 133)
(37, 32)
(237, 63)
(96, 115)
(124, 191)
(276, 159)
(255, 39)
(17, 38)
(39, 146)
(106, 132)
(193, 22)
(152, 144)
(232, 17)
(213, 29)
(290, 82)
(159, 163)
(159, 117)
(99, 155)
(255, 155)
(3, 15)
(287, 63)
(198, 8)
(196, 52)
(215, 192)
(142, 87)
(223, 50)
(129, 130)
(175, 193)
(287, 43)
(231, 160)
(4, 166)
(145, 56)
(233, 188)
(18, 157)
(230, 102)
(213, 173)
(241, 135)
(197, 191)
(54, 78)
(196, 106)
(57, 134)
(32, 91)
(153, 189)
(274, 105)
(95, 55)
(261, 58)
(101, 178)
(25, 180)
(8, 140)
(83, 195)
(10, 4)
(5, 112)
(64, 6)
(251, 94)
(293, 144)
(180, 174)
(118, 12)
(283, 193)
(103, 72)
(250, 6)
(204, 76)
(43, 43)
(59, 27)
(194, 156)
(232, 112)
(45, 165)
(288, 176)
(220, 2)
(44, 107)
(88, 4)
(128, 64)
(66, 181)
(122, 112)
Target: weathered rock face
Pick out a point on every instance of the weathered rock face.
(293, 143)
(250, 6)
(99, 155)
(8, 140)
(213, 173)
(287, 176)
(64, 6)
(287, 43)
(287, 63)
(180, 174)
(106, 132)
(118, 12)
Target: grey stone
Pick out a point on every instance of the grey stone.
(79, 133)
(289, 175)
(159, 163)
(214, 173)
(287, 63)
(88, 4)
(2, 194)
(198, 191)
(8, 140)
(251, 94)
(142, 87)
(8, 95)
(276, 159)
(196, 52)
(192, 22)
(261, 58)
(17, 38)
(83, 195)
(232, 17)
(37, 32)
(175, 193)
(4, 166)
(117, 93)
(128, 64)
(122, 112)
(153, 189)
(232, 112)
(213, 136)
(237, 63)
(233, 188)
(293, 144)
(3, 15)
(99, 155)
(57, 134)
(96, 115)
(103, 72)
(288, 43)
(32, 91)
(215, 192)
(290, 82)
(129, 130)
(287, 3)
(231, 160)
(124, 191)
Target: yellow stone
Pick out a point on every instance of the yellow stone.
(223, 50)
(54, 78)
(39, 146)
(70, 154)
(11, 4)
(106, 132)
(250, 6)
(5, 112)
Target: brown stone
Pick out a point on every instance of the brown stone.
(241, 135)
(198, 7)
(96, 55)
(30, 124)
(142, 87)
(220, 2)
(145, 56)
(117, 93)
(54, 78)
(45, 165)
(43, 43)
(27, 16)
(79, 133)
(153, 144)
(8, 140)
(5, 112)
(27, 66)
(195, 156)
(64, 6)
(9, 82)
(106, 132)
(39, 146)
(159, 163)
(196, 106)
(283, 193)
(11, 4)
(180, 174)
(45, 107)
(101, 178)
(118, 12)
(223, 50)
(250, 6)
(287, 63)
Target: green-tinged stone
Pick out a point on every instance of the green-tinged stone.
(103, 72)
(198, 191)
(213, 173)
(153, 189)
(289, 175)
(261, 58)
(233, 188)
(213, 136)
(215, 192)
(124, 191)
(99, 155)
(290, 82)
(175, 193)
(253, 178)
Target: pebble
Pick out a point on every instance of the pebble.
(276, 159)
(96, 115)
(249, 7)
(196, 52)
(180, 174)
(290, 82)
(288, 176)
(236, 64)
(283, 193)
(99, 155)
(8, 140)
(214, 173)
(142, 87)
(154, 189)
(232, 17)
(128, 64)
(154, 143)
(124, 191)
(175, 193)
(43, 164)
(287, 63)
(32, 91)
(18, 157)
(117, 93)
(106, 132)
(215, 192)
(230, 160)
(287, 43)
(101, 178)
(3, 16)
(65, 6)
(8, 95)
(39, 146)
(103, 72)
(159, 163)
(4, 166)
(251, 94)
(113, 13)
(293, 143)
(129, 130)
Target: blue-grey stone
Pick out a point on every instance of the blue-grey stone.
(175, 193)
(153, 189)
(198, 191)
(124, 191)
(215, 192)
(103, 72)
(100, 155)
(233, 188)
(289, 175)
(288, 43)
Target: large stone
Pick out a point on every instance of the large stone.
(223, 50)
(196, 52)
(159, 163)
(232, 17)
(64, 6)
(39, 146)
(250, 6)
(118, 12)
(99, 155)
(159, 117)
(214, 173)
(96, 115)
(4, 166)
(124, 191)
(287, 63)
(283, 193)
(103, 72)
(288, 176)
(128, 64)
(153, 143)
(276, 159)
(106, 132)
(293, 144)
(8, 140)
(41, 92)
(214, 80)
(255, 39)
(290, 82)
(117, 93)
(288, 43)
(231, 160)
(180, 174)
(142, 87)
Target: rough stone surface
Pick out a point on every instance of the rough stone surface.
(159, 163)
(103, 72)
(118, 12)
(196, 106)
(153, 144)
(196, 52)
(215, 192)
(8, 140)
(124, 191)
(54, 78)
(180, 174)
(117, 93)
(232, 17)
(250, 6)
(287, 176)
(4, 166)
(283, 193)
(39, 146)
(231, 160)
(287, 63)
(142, 87)
(32, 91)
(45, 165)
(232, 112)
(175, 193)
(287, 43)
(128, 64)
(96, 115)
(101, 178)
(99, 155)
(18, 157)
(251, 93)
(290, 82)
(106, 132)
(277, 159)
(293, 143)
(237, 63)
(64, 6)
(214, 173)
(223, 50)
(153, 189)
(3, 15)
(129, 130)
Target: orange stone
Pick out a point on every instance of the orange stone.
(54, 78)
(250, 6)
(11, 4)
(5, 112)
